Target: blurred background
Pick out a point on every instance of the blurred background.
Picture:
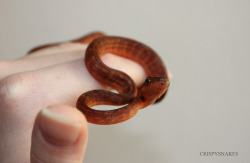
(206, 46)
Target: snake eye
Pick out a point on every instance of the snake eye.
(147, 81)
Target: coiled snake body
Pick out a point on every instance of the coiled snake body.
(153, 88)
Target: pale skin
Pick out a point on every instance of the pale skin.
(38, 119)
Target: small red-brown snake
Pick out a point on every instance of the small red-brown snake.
(153, 89)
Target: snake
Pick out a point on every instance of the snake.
(132, 97)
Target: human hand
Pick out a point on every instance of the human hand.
(51, 78)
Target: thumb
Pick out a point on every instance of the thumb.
(59, 135)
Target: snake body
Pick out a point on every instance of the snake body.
(152, 90)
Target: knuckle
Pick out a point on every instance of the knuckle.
(13, 89)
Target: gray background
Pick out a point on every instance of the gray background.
(204, 43)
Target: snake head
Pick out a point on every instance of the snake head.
(152, 89)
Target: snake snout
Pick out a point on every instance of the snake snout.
(163, 80)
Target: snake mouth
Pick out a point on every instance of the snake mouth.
(163, 80)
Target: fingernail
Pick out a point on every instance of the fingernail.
(58, 129)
